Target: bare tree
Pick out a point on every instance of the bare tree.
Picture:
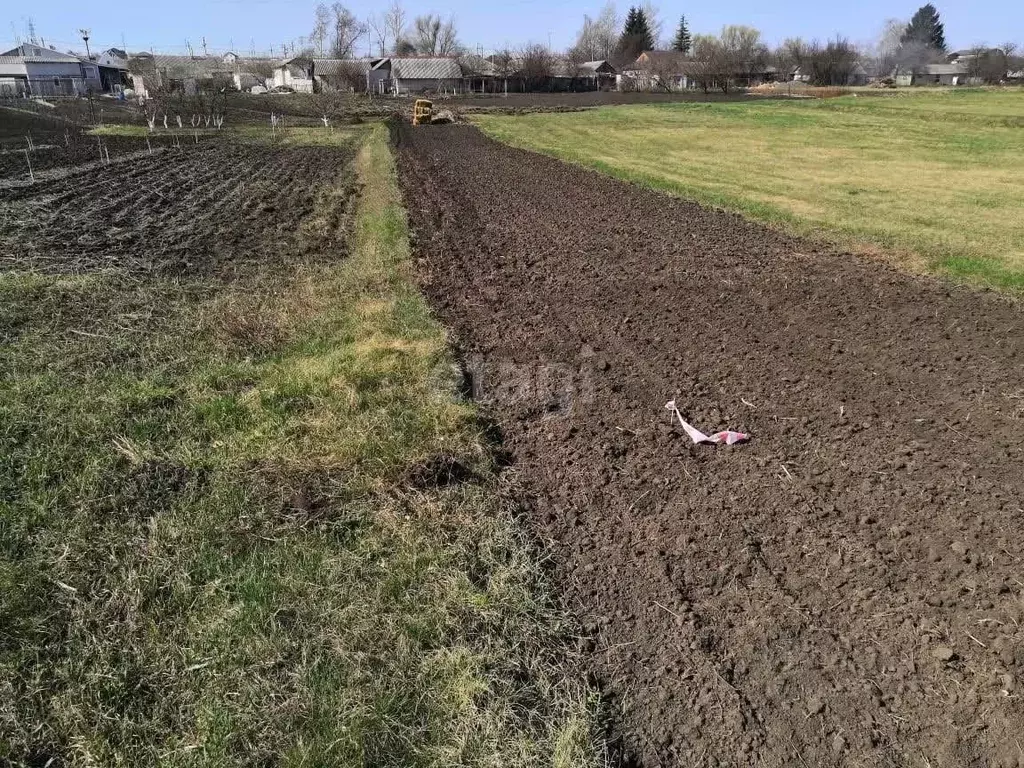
(321, 25)
(346, 30)
(448, 41)
(504, 62)
(574, 60)
(379, 31)
(394, 20)
(606, 31)
(586, 43)
(263, 71)
(887, 50)
(434, 37)
(536, 66)
(662, 69)
(832, 63)
(709, 63)
(989, 65)
(741, 52)
(654, 22)
(790, 55)
(598, 37)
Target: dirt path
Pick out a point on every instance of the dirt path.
(846, 589)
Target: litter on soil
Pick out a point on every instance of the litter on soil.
(727, 436)
(845, 590)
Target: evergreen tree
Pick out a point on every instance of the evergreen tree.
(682, 40)
(636, 35)
(630, 25)
(926, 29)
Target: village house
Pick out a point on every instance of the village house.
(658, 71)
(933, 74)
(113, 68)
(410, 75)
(151, 73)
(306, 74)
(480, 75)
(675, 71)
(32, 70)
(585, 76)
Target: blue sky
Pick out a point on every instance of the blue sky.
(265, 23)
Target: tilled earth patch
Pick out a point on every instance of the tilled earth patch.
(845, 589)
(191, 210)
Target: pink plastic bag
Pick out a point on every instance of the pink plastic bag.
(728, 436)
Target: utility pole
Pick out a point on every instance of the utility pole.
(205, 52)
(85, 36)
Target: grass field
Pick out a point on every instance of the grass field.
(934, 177)
(226, 535)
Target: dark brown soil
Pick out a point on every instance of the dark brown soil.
(305, 109)
(191, 210)
(56, 141)
(845, 589)
(558, 102)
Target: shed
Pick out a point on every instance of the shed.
(422, 74)
(941, 74)
(151, 73)
(296, 73)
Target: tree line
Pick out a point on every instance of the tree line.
(713, 60)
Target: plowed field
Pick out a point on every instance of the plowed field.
(846, 588)
(191, 210)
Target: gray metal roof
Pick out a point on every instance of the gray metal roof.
(425, 68)
(39, 54)
(945, 69)
(473, 64)
(334, 66)
(190, 66)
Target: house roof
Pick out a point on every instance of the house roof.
(432, 68)
(189, 66)
(669, 62)
(39, 54)
(662, 59)
(299, 65)
(945, 69)
(973, 53)
(328, 67)
(600, 65)
(472, 64)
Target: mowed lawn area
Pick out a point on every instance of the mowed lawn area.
(936, 177)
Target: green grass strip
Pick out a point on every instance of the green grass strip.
(214, 551)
